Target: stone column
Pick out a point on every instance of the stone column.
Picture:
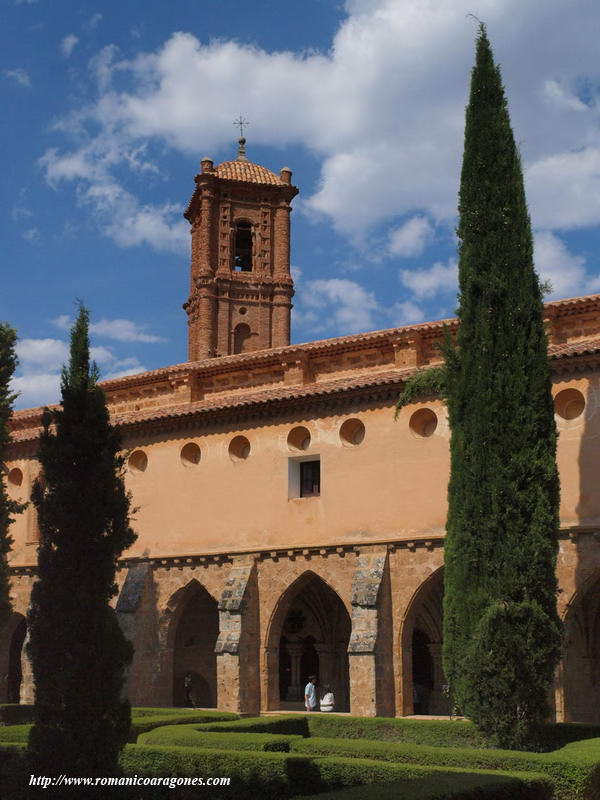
(237, 646)
(371, 675)
(296, 687)
(27, 696)
(139, 627)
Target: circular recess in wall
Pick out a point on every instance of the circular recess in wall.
(569, 404)
(299, 438)
(190, 454)
(352, 432)
(138, 461)
(423, 422)
(243, 310)
(239, 448)
(15, 476)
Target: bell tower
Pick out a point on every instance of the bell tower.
(241, 287)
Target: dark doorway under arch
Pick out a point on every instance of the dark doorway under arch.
(423, 674)
(194, 650)
(312, 630)
(582, 659)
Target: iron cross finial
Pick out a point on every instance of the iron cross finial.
(240, 123)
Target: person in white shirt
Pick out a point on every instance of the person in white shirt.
(328, 700)
(310, 693)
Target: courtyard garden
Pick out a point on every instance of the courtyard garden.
(332, 757)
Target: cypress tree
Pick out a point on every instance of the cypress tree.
(502, 635)
(8, 363)
(77, 649)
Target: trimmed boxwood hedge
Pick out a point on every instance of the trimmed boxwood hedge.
(462, 786)
(287, 725)
(15, 714)
(148, 722)
(195, 736)
(279, 775)
(275, 776)
(574, 771)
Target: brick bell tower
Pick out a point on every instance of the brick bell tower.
(241, 288)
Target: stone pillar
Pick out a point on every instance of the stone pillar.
(237, 646)
(140, 628)
(27, 696)
(296, 687)
(371, 674)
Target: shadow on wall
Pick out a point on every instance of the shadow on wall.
(581, 666)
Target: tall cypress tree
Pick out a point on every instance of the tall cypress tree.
(8, 363)
(501, 630)
(77, 649)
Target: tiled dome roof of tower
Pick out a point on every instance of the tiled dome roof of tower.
(248, 172)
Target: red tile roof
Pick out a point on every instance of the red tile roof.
(248, 172)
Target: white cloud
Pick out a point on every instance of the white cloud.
(407, 313)
(49, 354)
(41, 361)
(36, 389)
(21, 212)
(20, 75)
(564, 189)
(123, 330)
(566, 271)
(120, 369)
(63, 322)
(68, 44)
(92, 22)
(383, 110)
(410, 238)
(31, 235)
(561, 97)
(339, 302)
(432, 280)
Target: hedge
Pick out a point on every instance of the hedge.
(450, 786)
(140, 723)
(282, 775)
(144, 723)
(275, 776)
(195, 736)
(574, 771)
(15, 714)
(436, 733)
(287, 725)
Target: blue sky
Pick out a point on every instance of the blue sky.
(108, 108)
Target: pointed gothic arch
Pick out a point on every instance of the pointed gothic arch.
(581, 665)
(189, 630)
(308, 633)
(421, 638)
